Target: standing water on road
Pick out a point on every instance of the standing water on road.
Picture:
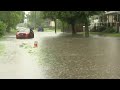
(61, 56)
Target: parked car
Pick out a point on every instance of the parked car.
(25, 34)
(40, 29)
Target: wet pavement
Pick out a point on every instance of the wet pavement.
(61, 56)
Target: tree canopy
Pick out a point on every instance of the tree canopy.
(35, 19)
(71, 17)
(11, 18)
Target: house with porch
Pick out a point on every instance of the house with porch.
(110, 19)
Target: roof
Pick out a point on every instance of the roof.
(113, 12)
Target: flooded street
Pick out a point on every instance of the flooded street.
(61, 56)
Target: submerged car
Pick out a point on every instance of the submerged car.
(25, 34)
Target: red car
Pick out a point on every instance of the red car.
(25, 34)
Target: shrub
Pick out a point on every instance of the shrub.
(98, 29)
(109, 30)
(101, 28)
(93, 30)
(3, 27)
(104, 29)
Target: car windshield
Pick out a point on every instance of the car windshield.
(25, 30)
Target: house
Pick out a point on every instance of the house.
(52, 23)
(109, 19)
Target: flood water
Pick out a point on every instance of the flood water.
(62, 56)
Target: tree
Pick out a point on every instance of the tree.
(68, 17)
(87, 15)
(2, 28)
(11, 18)
(72, 17)
(51, 15)
(35, 19)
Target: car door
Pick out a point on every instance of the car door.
(31, 33)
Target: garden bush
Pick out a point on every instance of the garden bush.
(3, 27)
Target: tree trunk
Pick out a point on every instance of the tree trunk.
(108, 21)
(55, 25)
(117, 25)
(86, 30)
(81, 28)
(73, 29)
(62, 30)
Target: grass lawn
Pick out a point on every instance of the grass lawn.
(106, 34)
